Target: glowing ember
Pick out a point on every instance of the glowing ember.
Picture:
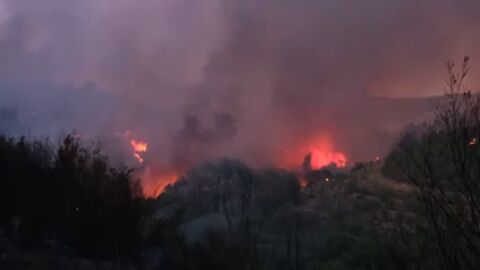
(303, 182)
(473, 142)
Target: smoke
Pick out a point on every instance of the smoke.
(241, 78)
(195, 141)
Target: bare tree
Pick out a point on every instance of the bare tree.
(443, 162)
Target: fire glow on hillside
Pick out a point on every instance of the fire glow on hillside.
(156, 177)
(154, 182)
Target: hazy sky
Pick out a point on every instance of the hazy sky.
(282, 70)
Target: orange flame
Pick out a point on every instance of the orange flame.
(322, 153)
(154, 178)
(139, 147)
(321, 159)
(155, 185)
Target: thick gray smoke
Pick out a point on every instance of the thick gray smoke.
(242, 78)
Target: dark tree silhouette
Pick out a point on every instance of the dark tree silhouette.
(443, 162)
(68, 199)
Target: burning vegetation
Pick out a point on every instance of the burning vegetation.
(156, 178)
(138, 148)
(321, 151)
(155, 181)
(157, 175)
(67, 202)
(239, 126)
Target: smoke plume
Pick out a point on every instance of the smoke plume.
(240, 78)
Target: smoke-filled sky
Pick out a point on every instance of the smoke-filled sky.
(243, 78)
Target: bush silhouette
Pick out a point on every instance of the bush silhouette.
(68, 199)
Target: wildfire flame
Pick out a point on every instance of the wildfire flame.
(139, 147)
(322, 154)
(321, 159)
(155, 177)
(155, 184)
